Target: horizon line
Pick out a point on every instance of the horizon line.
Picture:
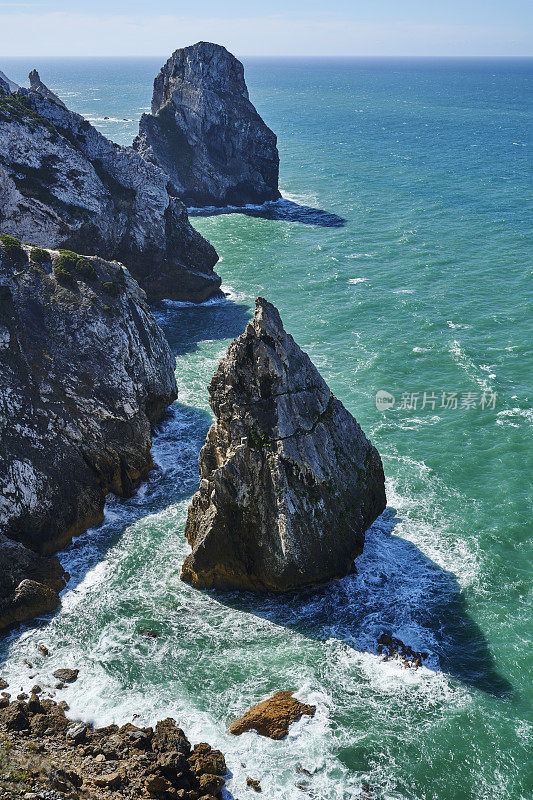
(310, 55)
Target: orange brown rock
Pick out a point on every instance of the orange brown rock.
(273, 717)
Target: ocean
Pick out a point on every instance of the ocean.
(400, 260)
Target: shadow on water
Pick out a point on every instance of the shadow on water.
(285, 210)
(396, 590)
(185, 325)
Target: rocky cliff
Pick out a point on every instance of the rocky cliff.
(84, 372)
(205, 133)
(63, 184)
(289, 483)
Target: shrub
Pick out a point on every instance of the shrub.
(13, 250)
(70, 263)
(62, 273)
(86, 269)
(39, 256)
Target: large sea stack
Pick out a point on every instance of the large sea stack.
(205, 133)
(289, 483)
(84, 372)
(63, 184)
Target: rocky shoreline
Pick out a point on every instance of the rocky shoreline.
(46, 756)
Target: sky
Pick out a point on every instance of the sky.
(276, 27)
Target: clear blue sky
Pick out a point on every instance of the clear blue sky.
(275, 27)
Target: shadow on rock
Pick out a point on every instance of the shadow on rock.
(285, 210)
(396, 591)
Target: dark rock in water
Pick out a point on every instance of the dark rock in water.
(66, 675)
(289, 483)
(273, 717)
(254, 784)
(205, 133)
(37, 85)
(63, 184)
(29, 583)
(84, 372)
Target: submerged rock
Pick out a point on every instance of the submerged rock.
(205, 133)
(289, 483)
(63, 184)
(273, 717)
(84, 372)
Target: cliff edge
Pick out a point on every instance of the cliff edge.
(84, 372)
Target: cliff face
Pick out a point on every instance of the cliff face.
(205, 133)
(63, 184)
(289, 483)
(84, 372)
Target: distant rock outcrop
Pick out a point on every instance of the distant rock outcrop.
(37, 85)
(289, 483)
(206, 134)
(84, 372)
(63, 184)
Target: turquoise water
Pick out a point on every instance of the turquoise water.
(425, 287)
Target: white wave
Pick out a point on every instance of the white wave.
(513, 416)
(357, 280)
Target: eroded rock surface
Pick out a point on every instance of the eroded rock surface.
(49, 756)
(84, 372)
(273, 717)
(63, 184)
(289, 483)
(205, 133)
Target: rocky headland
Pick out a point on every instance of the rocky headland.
(289, 483)
(64, 185)
(206, 134)
(84, 372)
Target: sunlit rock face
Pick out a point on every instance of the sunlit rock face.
(63, 184)
(289, 483)
(206, 134)
(84, 372)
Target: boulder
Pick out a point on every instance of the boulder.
(205, 133)
(66, 675)
(273, 717)
(289, 483)
(64, 185)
